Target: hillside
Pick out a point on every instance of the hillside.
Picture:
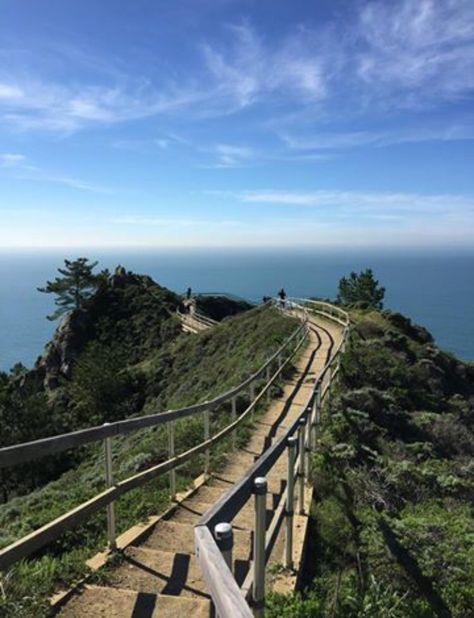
(129, 365)
(393, 480)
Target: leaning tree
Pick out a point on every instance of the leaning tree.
(77, 284)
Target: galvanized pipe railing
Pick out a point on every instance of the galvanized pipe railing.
(229, 600)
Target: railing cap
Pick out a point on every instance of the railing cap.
(260, 485)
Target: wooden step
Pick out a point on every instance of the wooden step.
(190, 512)
(177, 537)
(222, 479)
(155, 571)
(105, 602)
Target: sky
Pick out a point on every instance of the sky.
(254, 123)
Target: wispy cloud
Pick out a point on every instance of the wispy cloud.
(359, 202)
(398, 54)
(338, 140)
(418, 50)
(247, 70)
(231, 76)
(8, 159)
(9, 92)
(65, 109)
(229, 155)
(19, 166)
(172, 222)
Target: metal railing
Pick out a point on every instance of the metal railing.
(198, 318)
(299, 440)
(21, 453)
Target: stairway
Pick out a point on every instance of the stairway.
(159, 575)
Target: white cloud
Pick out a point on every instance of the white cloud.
(9, 92)
(419, 51)
(21, 169)
(172, 223)
(398, 54)
(8, 159)
(233, 156)
(246, 71)
(48, 106)
(334, 140)
(360, 202)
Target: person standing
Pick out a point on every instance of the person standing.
(282, 296)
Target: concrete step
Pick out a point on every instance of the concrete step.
(155, 571)
(105, 602)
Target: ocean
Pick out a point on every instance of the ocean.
(434, 289)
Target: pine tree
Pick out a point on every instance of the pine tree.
(361, 288)
(77, 284)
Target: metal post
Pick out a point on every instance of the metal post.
(301, 458)
(260, 491)
(314, 421)
(225, 541)
(268, 380)
(290, 499)
(313, 427)
(109, 479)
(252, 391)
(171, 454)
(252, 397)
(207, 453)
(308, 444)
(233, 417)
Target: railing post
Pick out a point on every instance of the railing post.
(225, 542)
(267, 377)
(316, 414)
(258, 594)
(171, 454)
(290, 500)
(109, 479)
(207, 428)
(252, 397)
(308, 444)
(252, 391)
(233, 417)
(301, 466)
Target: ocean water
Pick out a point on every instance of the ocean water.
(435, 290)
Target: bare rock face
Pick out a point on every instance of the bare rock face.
(60, 353)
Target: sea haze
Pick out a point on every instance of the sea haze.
(435, 290)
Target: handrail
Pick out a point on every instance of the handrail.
(199, 317)
(204, 318)
(52, 530)
(27, 451)
(340, 315)
(228, 506)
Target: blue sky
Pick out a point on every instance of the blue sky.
(237, 123)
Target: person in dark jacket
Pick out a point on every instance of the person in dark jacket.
(282, 296)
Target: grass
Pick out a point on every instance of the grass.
(392, 520)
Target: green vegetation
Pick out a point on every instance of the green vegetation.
(130, 358)
(220, 307)
(77, 284)
(361, 289)
(393, 476)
